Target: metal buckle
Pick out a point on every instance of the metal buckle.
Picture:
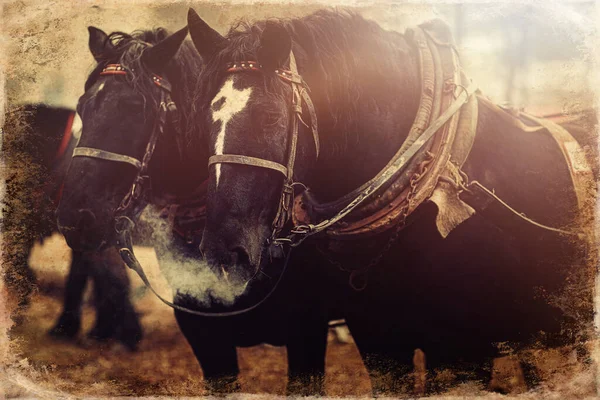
(302, 229)
(287, 196)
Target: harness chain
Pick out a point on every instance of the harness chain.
(362, 272)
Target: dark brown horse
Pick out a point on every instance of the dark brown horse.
(452, 283)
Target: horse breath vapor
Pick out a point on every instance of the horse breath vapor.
(186, 275)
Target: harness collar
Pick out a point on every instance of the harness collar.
(384, 202)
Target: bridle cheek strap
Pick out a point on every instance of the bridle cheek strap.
(106, 155)
(247, 160)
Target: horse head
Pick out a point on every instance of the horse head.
(119, 112)
(252, 97)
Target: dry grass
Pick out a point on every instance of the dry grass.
(165, 366)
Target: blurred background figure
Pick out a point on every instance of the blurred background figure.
(531, 56)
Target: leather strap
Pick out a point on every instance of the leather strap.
(299, 233)
(135, 201)
(124, 227)
(106, 155)
(247, 160)
(313, 119)
(287, 192)
(491, 207)
(580, 172)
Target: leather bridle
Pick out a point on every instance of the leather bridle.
(131, 205)
(300, 96)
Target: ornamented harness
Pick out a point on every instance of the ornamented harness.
(426, 167)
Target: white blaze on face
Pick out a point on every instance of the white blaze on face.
(234, 101)
(99, 89)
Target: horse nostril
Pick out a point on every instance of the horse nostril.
(240, 256)
(86, 219)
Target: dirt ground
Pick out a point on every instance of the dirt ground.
(165, 366)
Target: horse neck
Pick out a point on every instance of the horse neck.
(364, 115)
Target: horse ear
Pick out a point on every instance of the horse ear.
(275, 46)
(157, 56)
(99, 43)
(206, 39)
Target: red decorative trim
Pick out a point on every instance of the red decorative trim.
(59, 194)
(243, 66)
(240, 66)
(113, 69)
(158, 80)
(66, 138)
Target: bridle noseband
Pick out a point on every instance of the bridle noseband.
(300, 95)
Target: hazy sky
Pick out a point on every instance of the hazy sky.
(47, 58)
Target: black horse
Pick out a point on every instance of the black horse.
(38, 145)
(492, 279)
(120, 110)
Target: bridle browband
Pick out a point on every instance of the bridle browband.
(300, 96)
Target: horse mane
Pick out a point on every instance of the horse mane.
(329, 46)
(186, 66)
